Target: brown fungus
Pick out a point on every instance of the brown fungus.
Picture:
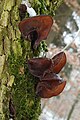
(37, 66)
(40, 66)
(47, 89)
(22, 11)
(36, 29)
(50, 84)
(58, 62)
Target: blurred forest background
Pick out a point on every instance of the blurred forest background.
(65, 34)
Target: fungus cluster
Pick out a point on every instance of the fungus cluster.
(35, 29)
(50, 84)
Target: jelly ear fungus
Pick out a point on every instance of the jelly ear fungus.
(40, 66)
(36, 29)
(44, 89)
(50, 84)
(37, 66)
(58, 62)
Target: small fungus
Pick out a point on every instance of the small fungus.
(47, 89)
(37, 66)
(22, 11)
(35, 29)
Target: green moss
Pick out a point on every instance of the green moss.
(7, 46)
(15, 13)
(23, 90)
(27, 104)
(1, 6)
(8, 4)
(11, 32)
(2, 61)
(4, 18)
(45, 6)
(24, 87)
(1, 37)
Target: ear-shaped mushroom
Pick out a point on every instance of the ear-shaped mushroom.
(36, 29)
(50, 85)
(40, 66)
(44, 89)
(58, 62)
(37, 66)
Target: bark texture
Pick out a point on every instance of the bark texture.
(16, 83)
(13, 79)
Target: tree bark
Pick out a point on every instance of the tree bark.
(17, 85)
(13, 69)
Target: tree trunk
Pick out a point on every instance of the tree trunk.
(13, 69)
(17, 85)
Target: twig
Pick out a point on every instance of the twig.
(68, 45)
(74, 38)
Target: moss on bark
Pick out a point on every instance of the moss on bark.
(16, 82)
